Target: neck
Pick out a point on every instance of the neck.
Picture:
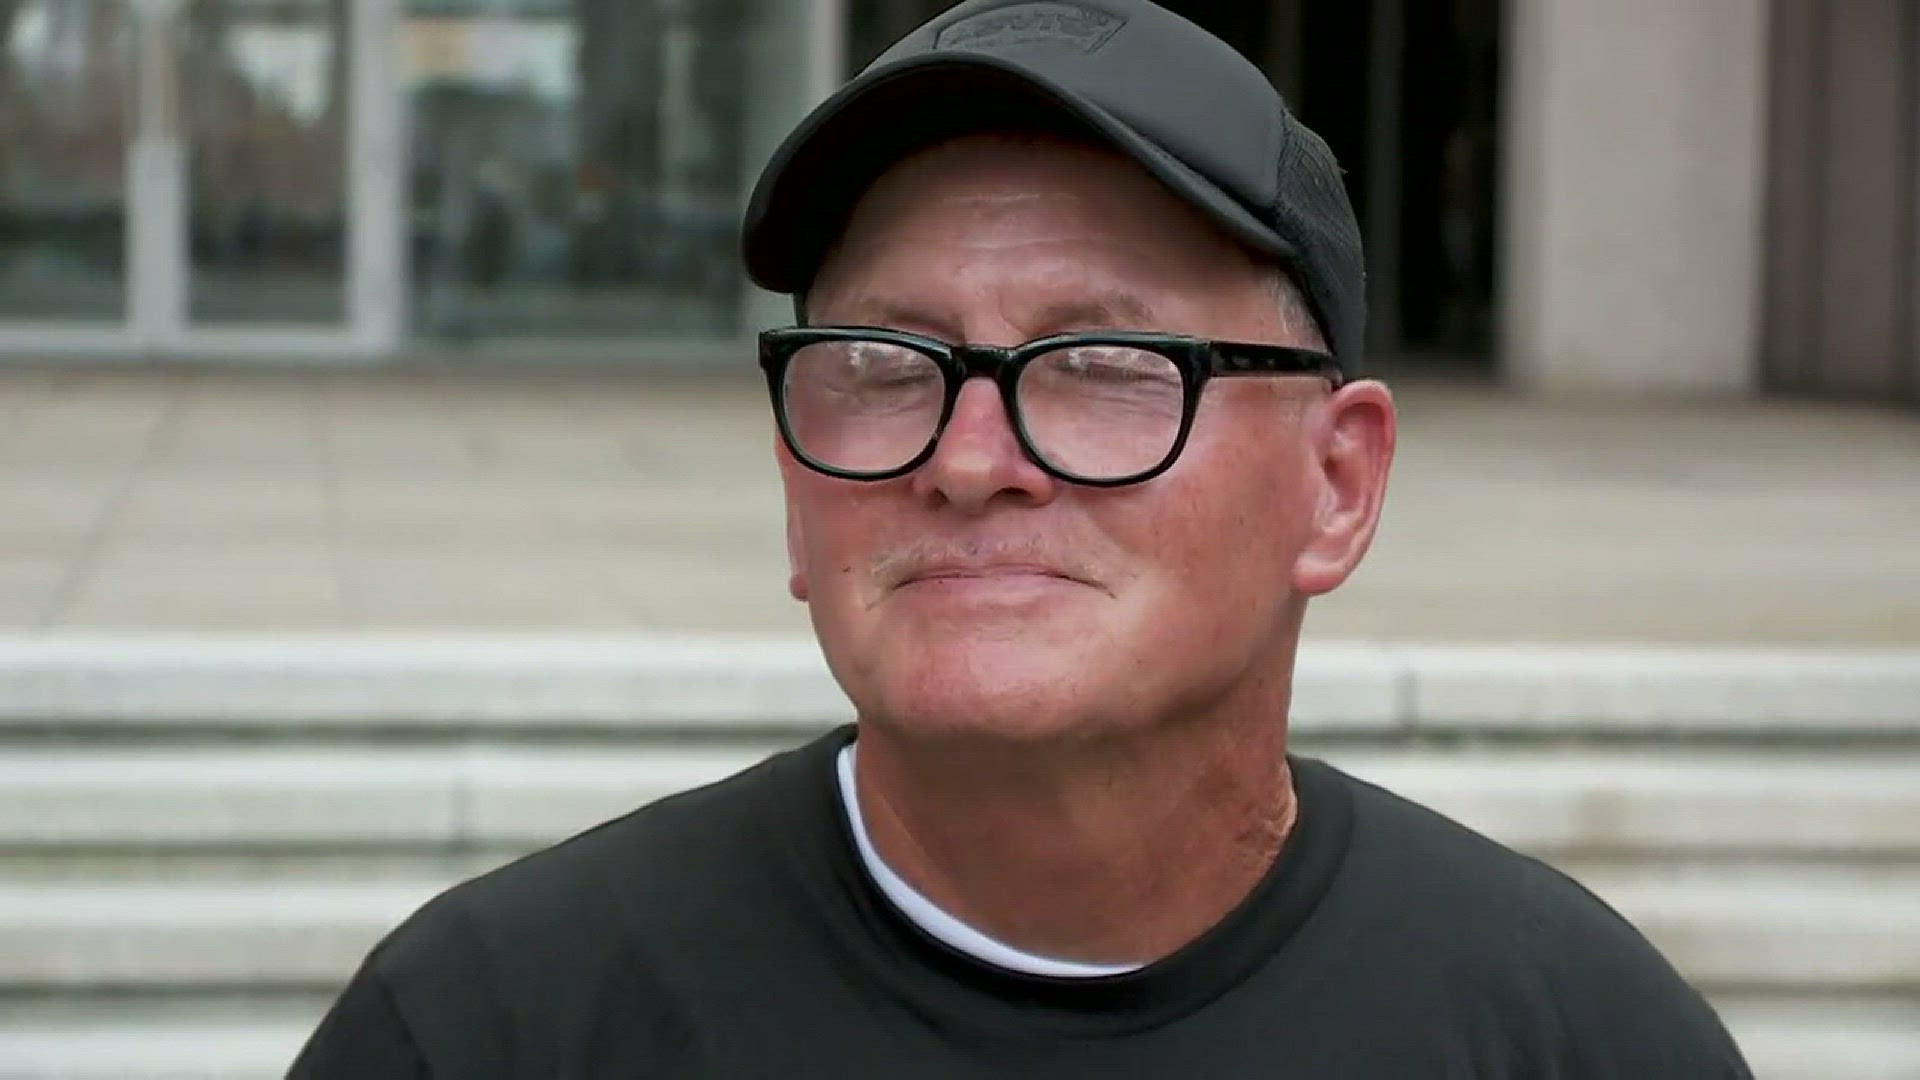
(1117, 850)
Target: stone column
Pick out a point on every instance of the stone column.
(1632, 227)
(793, 50)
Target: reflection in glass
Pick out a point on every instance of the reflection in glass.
(578, 165)
(64, 87)
(266, 104)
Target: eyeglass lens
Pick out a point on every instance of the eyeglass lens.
(1100, 412)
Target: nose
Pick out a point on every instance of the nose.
(978, 460)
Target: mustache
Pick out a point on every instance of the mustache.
(904, 563)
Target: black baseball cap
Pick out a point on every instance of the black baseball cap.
(1183, 103)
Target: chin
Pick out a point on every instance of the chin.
(1035, 663)
(995, 690)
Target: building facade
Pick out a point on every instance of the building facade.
(265, 180)
(1713, 196)
(1636, 196)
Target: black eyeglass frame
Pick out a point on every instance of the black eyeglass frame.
(1198, 360)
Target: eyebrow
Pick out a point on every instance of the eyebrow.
(1095, 308)
(1099, 307)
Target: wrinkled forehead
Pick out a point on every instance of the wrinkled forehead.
(1010, 206)
(1012, 168)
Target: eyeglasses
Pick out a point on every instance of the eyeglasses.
(1101, 409)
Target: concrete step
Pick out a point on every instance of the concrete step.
(1737, 926)
(1747, 925)
(67, 936)
(214, 1047)
(294, 795)
(192, 815)
(1712, 801)
(71, 683)
(1707, 801)
(1811, 1037)
(1784, 1039)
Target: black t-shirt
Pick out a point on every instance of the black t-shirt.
(732, 931)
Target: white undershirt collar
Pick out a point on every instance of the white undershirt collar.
(942, 926)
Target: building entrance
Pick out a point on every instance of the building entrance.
(263, 180)
(1407, 94)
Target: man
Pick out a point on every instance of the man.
(1069, 436)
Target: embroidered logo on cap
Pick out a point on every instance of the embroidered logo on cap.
(1023, 25)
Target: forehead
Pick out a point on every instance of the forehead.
(1032, 218)
(991, 178)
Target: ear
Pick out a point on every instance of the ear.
(796, 556)
(796, 535)
(1351, 437)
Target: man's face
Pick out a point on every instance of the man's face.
(979, 597)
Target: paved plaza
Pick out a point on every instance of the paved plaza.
(497, 500)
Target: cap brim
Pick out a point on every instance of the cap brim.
(813, 181)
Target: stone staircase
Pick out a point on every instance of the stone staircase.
(201, 836)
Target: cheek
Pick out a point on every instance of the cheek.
(1231, 520)
(1212, 544)
(836, 527)
(814, 510)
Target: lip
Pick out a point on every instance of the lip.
(992, 570)
(986, 572)
(996, 587)
(990, 585)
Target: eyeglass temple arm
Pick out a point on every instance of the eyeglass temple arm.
(1249, 358)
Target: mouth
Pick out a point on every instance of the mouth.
(995, 585)
(985, 572)
(988, 572)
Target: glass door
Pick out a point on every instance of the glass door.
(66, 87)
(202, 178)
(290, 176)
(579, 166)
(264, 94)
(576, 165)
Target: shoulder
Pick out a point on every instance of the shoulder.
(603, 914)
(1462, 878)
(1435, 872)
(1549, 961)
(663, 859)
